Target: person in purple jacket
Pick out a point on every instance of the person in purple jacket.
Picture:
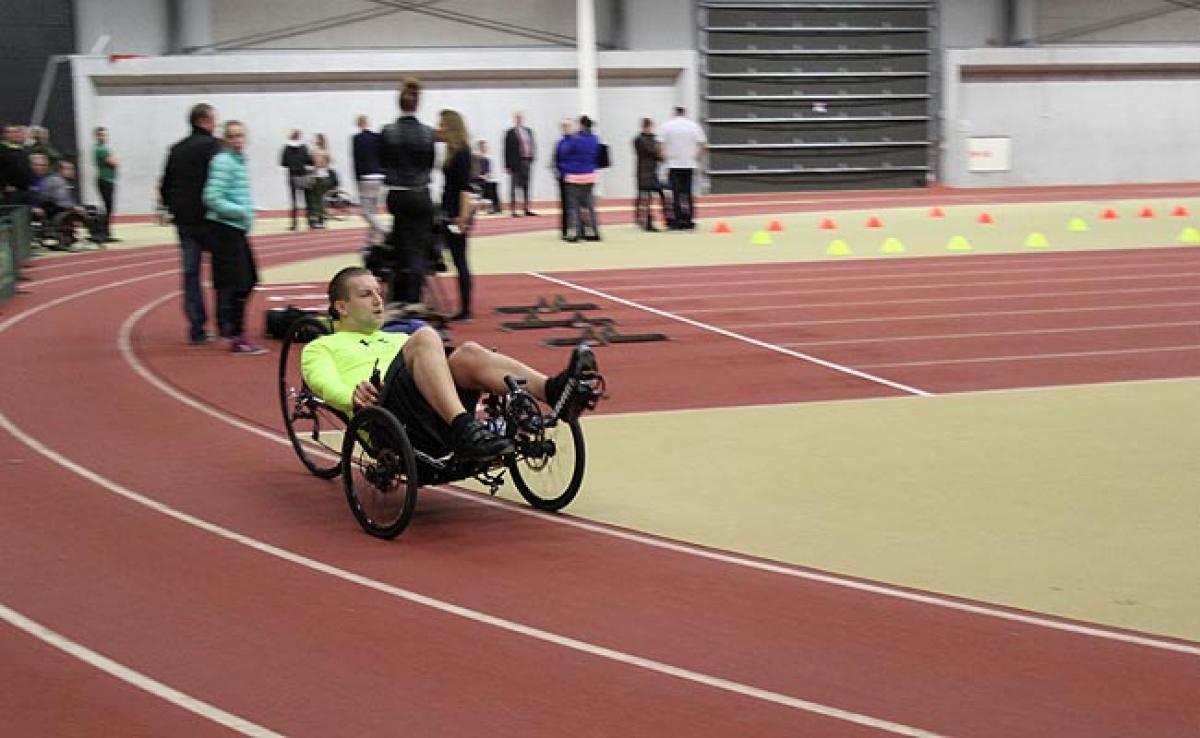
(577, 161)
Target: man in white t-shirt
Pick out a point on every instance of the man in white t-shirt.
(683, 145)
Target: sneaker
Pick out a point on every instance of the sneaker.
(201, 339)
(582, 389)
(244, 348)
(477, 443)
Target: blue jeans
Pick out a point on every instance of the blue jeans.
(193, 242)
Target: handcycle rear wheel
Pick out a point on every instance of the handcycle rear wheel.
(379, 472)
(549, 477)
(315, 429)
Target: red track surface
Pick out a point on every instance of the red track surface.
(303, 651)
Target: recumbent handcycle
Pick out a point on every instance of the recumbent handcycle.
(381, 470)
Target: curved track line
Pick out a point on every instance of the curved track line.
(420, 599)
(134, 678)
(725, 558)
(736, 336)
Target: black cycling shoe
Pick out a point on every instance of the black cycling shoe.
(476, 443)
(584, 385)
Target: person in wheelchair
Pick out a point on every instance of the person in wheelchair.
(431, 390)
(61, 211)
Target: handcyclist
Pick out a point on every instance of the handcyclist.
(432, 393)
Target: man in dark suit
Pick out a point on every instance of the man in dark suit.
(369, 174)
(518, 162)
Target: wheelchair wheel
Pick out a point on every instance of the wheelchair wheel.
(549, 472)
(315, 429)
(379, 472)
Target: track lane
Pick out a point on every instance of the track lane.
(468, 539)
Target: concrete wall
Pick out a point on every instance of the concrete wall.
(133, 26)
(1075, 115)
(1129, 21)
(144, 104)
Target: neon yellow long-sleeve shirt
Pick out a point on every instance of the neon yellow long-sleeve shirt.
(333, 365)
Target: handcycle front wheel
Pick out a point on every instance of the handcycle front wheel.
(315, 429)
(379, 472)
(549, 472)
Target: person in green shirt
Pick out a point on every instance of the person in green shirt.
(106, 179)
(432, 393)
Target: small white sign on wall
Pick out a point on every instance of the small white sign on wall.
(989, 153)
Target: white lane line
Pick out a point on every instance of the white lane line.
(131, 359)
(433, 603)
(1035, 357)
(896, 283)
(134, 678)
(1081, 293)
(941, 316)
(737, 336)
(994, 334)
(815, 271)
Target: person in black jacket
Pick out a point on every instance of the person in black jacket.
(519, 153)
(369, 174)
(181, 189)
(298, 162)
(457, 202)
(16, 174)
(406, 154)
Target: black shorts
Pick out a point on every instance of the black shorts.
(426, 429)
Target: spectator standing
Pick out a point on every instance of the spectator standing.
(296, 159)
(16, 173)
(181, 190)
(41, 145)
(683, 143)
(369, 174)
(578, 166)
(227, 196)
(568, 127)
(649, 154)
(456, 202)
(321, 181)
(106, 179)
(518, 162)
(484, 177)
(406, 152)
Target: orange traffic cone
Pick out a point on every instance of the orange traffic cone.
(984, 218)
(721, 227)
(936, 213)
(775, 226)
(874, 222)
(1109, 214)
(1180, 212)
(1146, 213)
(827, 224)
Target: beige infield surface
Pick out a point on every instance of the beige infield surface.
(1079, 501)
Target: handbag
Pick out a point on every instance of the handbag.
(602, 157)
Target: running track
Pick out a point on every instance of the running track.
(195, 553)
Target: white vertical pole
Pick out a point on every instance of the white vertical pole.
(195, 24)
(585, 36)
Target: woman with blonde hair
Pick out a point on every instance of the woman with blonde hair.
(457, 204)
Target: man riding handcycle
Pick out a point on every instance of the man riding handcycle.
(401, 408)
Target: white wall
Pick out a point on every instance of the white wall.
(134, 26)
(1075, 115)
(144, 105)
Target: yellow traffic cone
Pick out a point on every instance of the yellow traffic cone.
(958, 243)
(761, 238)
(1036, 241)
(892, 246)
(838, 247)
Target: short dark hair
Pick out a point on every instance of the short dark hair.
(339, 286)
(200, 112)
(585, 123)
(410, 95)
(646, 122)
(679, 110)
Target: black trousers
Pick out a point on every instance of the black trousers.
(410, 239)
(643, 206)
(562, 206)
(234, 276)
(108, 196)
(520, 181)
(457, 244)
(682, 204)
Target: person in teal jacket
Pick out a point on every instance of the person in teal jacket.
(230, 215)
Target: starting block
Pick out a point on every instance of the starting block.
(604, 336)
(558, 305)
(533, 321)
